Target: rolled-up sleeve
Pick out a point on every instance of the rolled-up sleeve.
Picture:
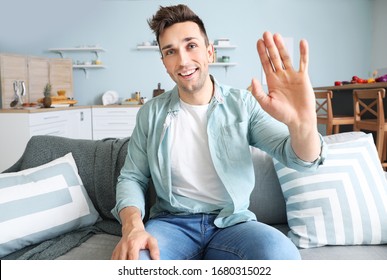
(294, 162)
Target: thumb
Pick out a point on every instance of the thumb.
(258, 92)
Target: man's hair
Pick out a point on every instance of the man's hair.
(168, 16)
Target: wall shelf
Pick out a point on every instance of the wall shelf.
(223, 64)
(61, 51)
(225, 47)
(148, 48)
(219, 62)
(84, 67)
(76, 66)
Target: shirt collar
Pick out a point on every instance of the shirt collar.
(217, 90)
(175, 99)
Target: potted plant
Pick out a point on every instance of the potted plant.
(47, 96)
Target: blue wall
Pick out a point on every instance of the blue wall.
(338, 31)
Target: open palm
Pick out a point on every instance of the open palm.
(290, 97)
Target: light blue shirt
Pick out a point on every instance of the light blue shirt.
(235, 122)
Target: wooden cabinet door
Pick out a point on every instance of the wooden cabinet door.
(61, 76)
(12, 68)
(38, 77)
(36, 72)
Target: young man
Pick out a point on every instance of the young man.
(194, 142)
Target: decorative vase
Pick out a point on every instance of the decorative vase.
(47, 102)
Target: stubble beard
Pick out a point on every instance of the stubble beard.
(196, 86)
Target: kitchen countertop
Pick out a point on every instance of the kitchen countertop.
(353, 86)
(116, 106)
(40, 110)
(24, 110)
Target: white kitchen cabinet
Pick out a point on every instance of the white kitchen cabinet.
(18, 126)
(81, 127)
(113, 121)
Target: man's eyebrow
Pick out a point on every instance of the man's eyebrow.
(166, 47)
(187, 39)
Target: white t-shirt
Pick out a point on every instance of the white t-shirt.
(193, 172)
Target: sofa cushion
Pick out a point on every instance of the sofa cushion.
(97, 247)
(344, 202)
(40, 203)
(99, 163)
(266, 200)
(359, 252)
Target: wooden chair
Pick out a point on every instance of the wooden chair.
(369, 116)
(325, 113)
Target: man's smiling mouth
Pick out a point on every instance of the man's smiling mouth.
(188, 73)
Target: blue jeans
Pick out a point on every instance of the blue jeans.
(195, 237)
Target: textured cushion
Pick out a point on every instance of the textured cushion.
(97, 247)
(344, 202)
(99, 163)
(40, 203)
(266, 200)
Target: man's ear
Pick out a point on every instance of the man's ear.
(210, 53)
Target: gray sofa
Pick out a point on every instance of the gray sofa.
(99, 163)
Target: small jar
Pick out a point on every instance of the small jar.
(215, 56)
(225, 58)
(138, 96)
(143, 100)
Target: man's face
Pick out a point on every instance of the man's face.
(185, 55)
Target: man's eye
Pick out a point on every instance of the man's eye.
(191, 46)
(169, 52)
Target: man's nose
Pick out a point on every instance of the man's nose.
(183, 57)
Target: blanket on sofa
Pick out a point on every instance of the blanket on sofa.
(99, 163)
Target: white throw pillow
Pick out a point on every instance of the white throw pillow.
(41, 203)
(344, 202)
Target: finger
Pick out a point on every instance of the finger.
(272, 50)
(119, 253)
(134, 253)
(263, 56)
(154, 249)
(258, 92)
(304, 56)
(283, 52)
(115, 255)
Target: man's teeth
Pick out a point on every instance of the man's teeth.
(188, 72)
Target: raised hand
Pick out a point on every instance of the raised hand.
(290, 97)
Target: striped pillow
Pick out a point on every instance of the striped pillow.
(343, 203)
(41, 203)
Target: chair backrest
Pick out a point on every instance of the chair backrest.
(368, 104)
(324, 103)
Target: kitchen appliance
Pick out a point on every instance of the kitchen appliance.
(19, 88)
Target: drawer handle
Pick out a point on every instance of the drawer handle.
(54, 132)
(115, 112)
(49, 118)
